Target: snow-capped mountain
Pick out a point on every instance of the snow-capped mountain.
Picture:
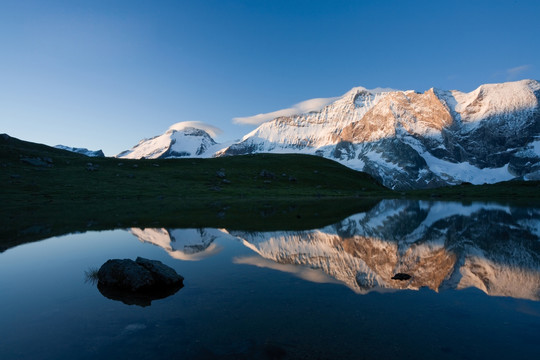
(447, 245)
(84, 151)
(417, 140)
(405, 139)
(180, 140)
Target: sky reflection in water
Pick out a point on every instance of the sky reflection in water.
(246, 294)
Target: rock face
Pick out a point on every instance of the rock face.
(137, 282)
(413, 140)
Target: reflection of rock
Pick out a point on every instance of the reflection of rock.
(401, 277)
(135, 298)
(137, 282)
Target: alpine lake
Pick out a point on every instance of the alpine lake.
(471, 290)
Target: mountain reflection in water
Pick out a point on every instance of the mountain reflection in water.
(441, 245)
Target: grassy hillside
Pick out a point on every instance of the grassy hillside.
(33, 171)
(47, 191)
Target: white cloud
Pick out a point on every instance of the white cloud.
(314, 104)
(300, 108)
(512, 73)
(210, 129)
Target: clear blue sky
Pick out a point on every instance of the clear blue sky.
(105, 74)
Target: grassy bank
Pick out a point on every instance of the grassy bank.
(516, 192)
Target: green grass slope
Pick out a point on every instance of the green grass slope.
(47, 191)
(32, 171)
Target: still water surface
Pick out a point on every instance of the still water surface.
(318, 294)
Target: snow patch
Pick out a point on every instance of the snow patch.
(465, 172)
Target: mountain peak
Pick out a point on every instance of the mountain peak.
(184, 139)
(189, 131)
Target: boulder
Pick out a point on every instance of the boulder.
(267, 174)
(92, 167)
(137, 282)
(221, 173)
(162, 274)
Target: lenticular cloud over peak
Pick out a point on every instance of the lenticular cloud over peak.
(210, 129)
(302, 107)
(299, 108)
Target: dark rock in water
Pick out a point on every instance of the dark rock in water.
(163, 274)
(139, 275)
(137, 282)
(125, 275)
(401, 276)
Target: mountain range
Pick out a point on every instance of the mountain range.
(405, 139)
